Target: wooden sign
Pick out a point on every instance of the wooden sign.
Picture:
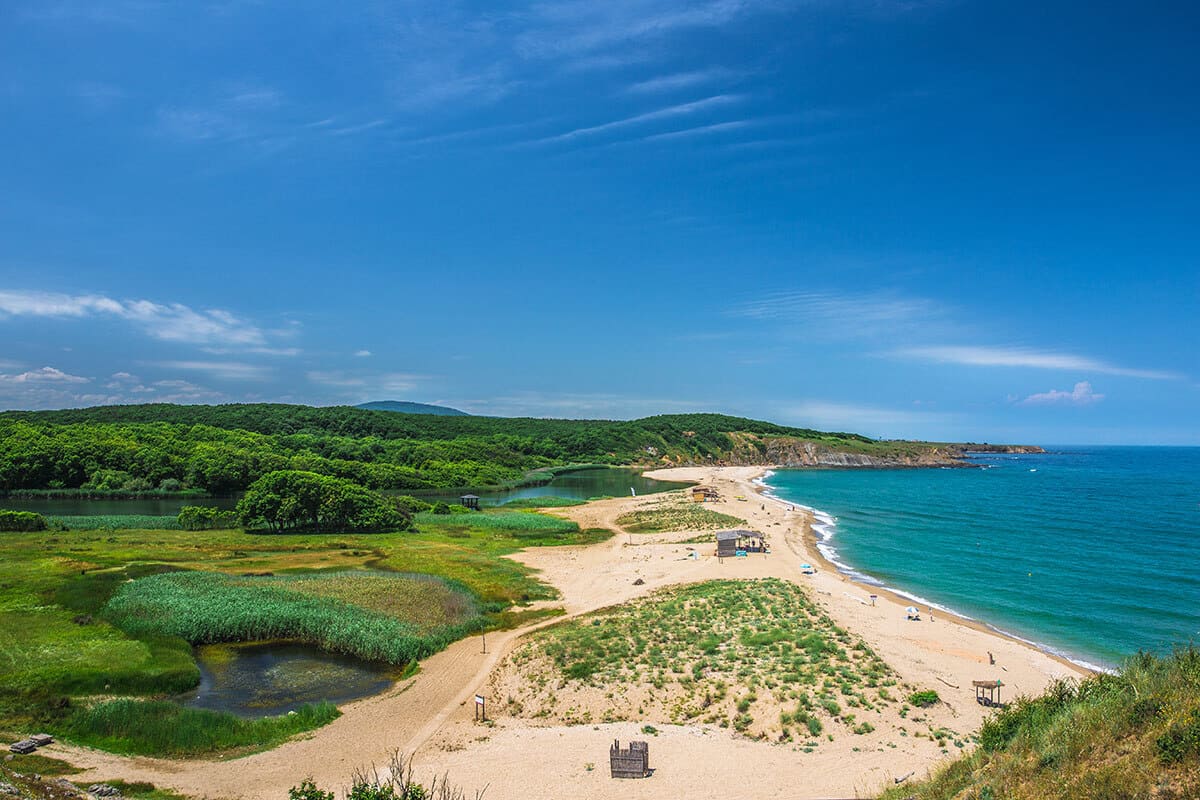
(480, 708)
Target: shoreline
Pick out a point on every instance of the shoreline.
(875, 586)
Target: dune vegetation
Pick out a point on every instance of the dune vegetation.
(1127, 736)
(675, 512)
(755, 656)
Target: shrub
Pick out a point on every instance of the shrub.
(21, 521)
(206, 518)
(923, 699)
(441, 508)
(1181, 740)
(411, 505)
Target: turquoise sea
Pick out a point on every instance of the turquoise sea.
(1090, 552)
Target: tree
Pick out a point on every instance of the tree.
(296, 500)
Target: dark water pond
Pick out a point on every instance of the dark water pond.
(580, 484)
(87, 507)
(267, 678)
(576, 485)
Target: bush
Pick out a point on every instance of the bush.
(923, 699)
(21, 521)
(206, 518)
(441, 508)
(411, 505)
(1181, 740)
(288, 500)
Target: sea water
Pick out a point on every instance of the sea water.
(1090, 552)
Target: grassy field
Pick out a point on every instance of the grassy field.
(59, 644)
(753, 656)
(676, 513)
(28, 775)
(1111, 737)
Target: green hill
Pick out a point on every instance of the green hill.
(405, 407)
(224, 448)
(1127, 736)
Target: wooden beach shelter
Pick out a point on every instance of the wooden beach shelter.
(469, 501)
(704, 494)
(727, 543)
(632, 762)
(987, 693)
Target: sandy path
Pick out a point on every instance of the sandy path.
(431, 714)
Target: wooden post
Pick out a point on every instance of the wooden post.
(480, 709)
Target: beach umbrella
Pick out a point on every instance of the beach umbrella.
(912, 610)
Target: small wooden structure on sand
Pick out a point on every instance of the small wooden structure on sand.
(987, 693)
(633, 762)
(731, 543)
(469, 501)
(704, 494)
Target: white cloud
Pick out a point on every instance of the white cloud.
(44, 375)
(362, 353)
(598, 405)
(982, 356)
(701, 130)
(231, 370)
(169, 322)
(1081, 395)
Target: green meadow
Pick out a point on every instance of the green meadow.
(90, 614)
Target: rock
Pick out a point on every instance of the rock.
(9, 789)
(103, 790)
(42, 739)
(639, 582)
(23, 747)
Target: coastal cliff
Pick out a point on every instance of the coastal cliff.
(786, 451)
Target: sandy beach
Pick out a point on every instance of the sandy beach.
(431, 714)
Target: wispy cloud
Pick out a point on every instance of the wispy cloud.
(984, 356)
(231, 370)
(578, 404)
(670, 112)
(168, 322)
(682, 80)
(362, 353)
(851, 316)
(1081, 395)
(834, 416)
(701, 130)
(365, 383)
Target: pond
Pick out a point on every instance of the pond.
(579, 484)
(261, 679)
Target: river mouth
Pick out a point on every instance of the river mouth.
(260, 679)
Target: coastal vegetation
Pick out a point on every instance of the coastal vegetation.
(168, 449)
(755, 656)
(1134, 734)
(89, 617)
(674, 512)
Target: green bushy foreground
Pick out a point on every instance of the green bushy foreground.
(208, 607)
(1127, 736)
(159, 727)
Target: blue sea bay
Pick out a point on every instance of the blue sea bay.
(1091, 552)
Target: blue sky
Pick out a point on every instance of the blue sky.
(945, 220)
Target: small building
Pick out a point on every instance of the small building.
(740, 542)
(633, 762)
(469, 501)
(704, 494)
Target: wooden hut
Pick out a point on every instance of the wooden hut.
(987, 693)
(633, 762)
(469, 501)
(727, 543)
(704, 494)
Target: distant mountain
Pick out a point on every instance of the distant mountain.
(405, 407)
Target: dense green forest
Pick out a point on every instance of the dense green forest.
(220, 449)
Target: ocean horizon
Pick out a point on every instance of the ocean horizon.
(1088, 552)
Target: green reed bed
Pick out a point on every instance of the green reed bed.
(95, 522)
(158, 727)
(208, 607)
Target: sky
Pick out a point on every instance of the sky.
(941, 220)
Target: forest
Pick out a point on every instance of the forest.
(136, 449)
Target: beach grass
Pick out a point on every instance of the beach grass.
(755, 656)
(161, 728)
(674, 513)
(1135, 734)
